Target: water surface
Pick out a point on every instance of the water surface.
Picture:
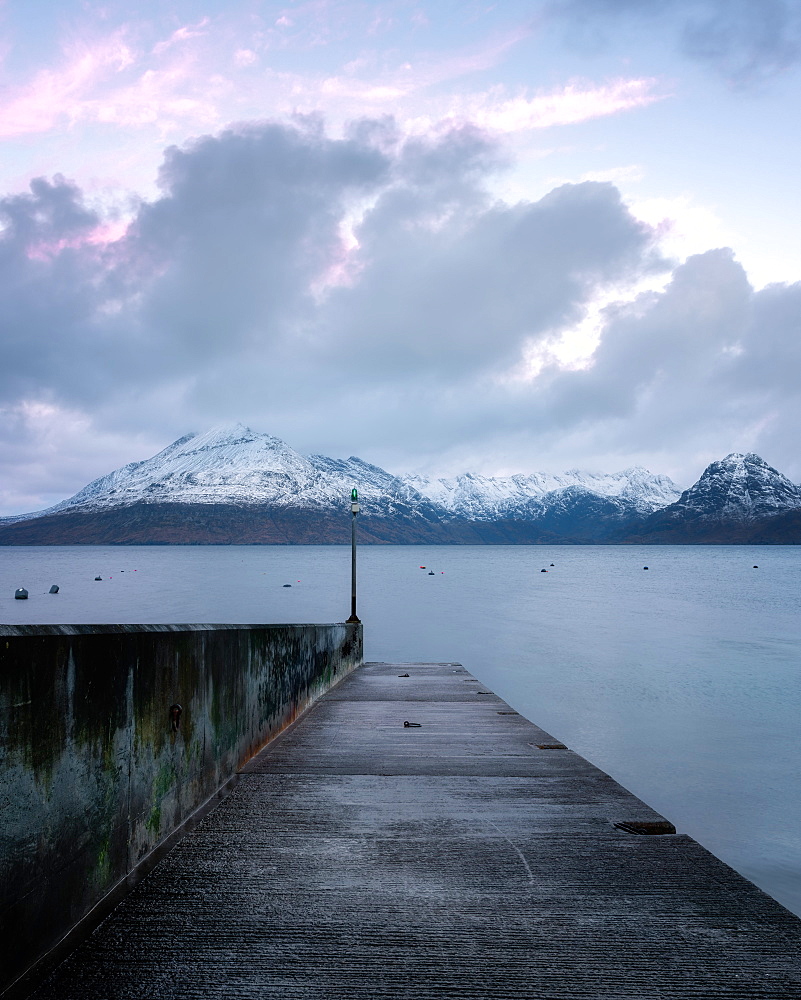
(683, 681)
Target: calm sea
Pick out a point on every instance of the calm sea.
(683, 681)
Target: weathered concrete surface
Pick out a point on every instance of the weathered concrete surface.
(92, 776)
(358, 858)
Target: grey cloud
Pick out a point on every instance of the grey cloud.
(469, 292)
(52, 211)
(221, 262)
(708, 365)
(659, 356)
(249, 219)
(212, 308)
(219, 272)
(48, 281)
(680, 378)
(745, 40)
(773, 348)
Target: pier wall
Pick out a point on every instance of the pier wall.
(94, 773)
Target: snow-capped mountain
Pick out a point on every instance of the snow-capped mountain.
(740, 498)
(221, 475)
(232, 485)
(235, 465)
(380, 491)
(226, 464)
(484, 498)
(741, 488)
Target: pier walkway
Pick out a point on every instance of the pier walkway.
(469, 855)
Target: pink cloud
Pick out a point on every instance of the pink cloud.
(574, 103)
(182, 35)
(357, 91)
(55, 95)
(245, 57)
(361, 90)
(108, 83)
(100, 236)
(157, 97)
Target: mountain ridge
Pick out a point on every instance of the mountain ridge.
(740, 495)
(231, 484)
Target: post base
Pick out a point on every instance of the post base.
(353, 620)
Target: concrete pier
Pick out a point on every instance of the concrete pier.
(113, 736)
(470, 855)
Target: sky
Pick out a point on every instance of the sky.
(496, 237)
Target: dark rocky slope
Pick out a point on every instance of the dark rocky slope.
(738, 500)
(231, 486)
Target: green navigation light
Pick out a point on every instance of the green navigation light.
(354, 495)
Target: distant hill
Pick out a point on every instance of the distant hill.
(233, 486)
(739, 500)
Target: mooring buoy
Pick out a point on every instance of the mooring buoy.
(98, 578)
(21, 594)
(53, 589)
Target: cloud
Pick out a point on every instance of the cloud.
(245, 57)
(368, 294)
(50, 274)
(106, 80)
(42, 445)
(182, 34)
(250, 222)
(704, 366)
(744, 40)
(575, 102)
(56, 95)
(460, 287)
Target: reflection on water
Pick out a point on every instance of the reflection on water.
(682, 681)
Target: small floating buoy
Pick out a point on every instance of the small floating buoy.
(98, 578)
(287, 584)
(543, 571)
(431, 572)
(53, 589)
(422, 567)
(756, 567)
(21, 594)
(551, 564)
(645, 567)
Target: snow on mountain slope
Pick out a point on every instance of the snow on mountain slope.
(234, 465)
(485, 498)
(383, 494)
(738, 488)
(224, 465)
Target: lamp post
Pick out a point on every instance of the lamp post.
(354, 510)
